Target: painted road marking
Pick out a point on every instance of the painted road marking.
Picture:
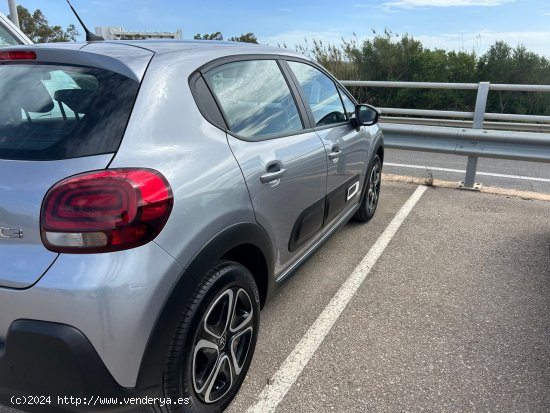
(272, 394)
(433, 168)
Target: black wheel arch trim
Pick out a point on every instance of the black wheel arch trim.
(378, 144)
(152, 365)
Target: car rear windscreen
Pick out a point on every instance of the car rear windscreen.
(52, 112)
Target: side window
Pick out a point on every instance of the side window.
(348, 105)
(6, 38)
(321, 94)
(255, 98)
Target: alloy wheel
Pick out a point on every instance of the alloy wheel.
(222, 344)
(374, 187)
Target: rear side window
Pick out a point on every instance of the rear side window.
(59, 112)
(255, 98)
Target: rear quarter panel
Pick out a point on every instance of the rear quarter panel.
(167, 132)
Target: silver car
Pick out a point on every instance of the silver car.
(153, 197)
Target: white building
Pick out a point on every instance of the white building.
(118, 33)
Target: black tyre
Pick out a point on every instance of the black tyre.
(215, 341)
(371, 192)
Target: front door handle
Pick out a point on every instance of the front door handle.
(273, 172)
(336, 152)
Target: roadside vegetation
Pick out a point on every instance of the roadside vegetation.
(37, 28)
(402, 58)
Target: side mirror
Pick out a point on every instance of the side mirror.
(366, 115)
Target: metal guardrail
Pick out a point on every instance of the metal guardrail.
(466, 133)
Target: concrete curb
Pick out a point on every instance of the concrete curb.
(528, 195)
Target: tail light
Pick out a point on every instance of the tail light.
(105, 211)
(18, 55)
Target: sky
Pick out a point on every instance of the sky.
(469, 25)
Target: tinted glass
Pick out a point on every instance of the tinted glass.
(321, 94)
(6, 38)
(255, 98)
(58, 112)
(206, 103)
(348, 105)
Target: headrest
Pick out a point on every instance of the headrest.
(78, 100)
(34, 97)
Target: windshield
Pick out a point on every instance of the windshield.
(58, 112)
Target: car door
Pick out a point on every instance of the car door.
(347, 147)
(283, 163)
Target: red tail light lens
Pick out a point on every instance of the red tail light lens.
(18, 55)
(105, 211)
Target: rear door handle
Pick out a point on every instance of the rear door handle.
(273, 172)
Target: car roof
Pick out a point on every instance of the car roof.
(190, 47)
(131, 58)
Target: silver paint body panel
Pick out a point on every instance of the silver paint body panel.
(304, 159)
(22, 189)
(356, 147)
(114, 299)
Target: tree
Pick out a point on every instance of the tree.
(503, 64)
(211, 36)
(244, 38)
(36, 27)
(393, 57)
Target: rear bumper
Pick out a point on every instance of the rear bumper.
(51, 367)
(113, 299)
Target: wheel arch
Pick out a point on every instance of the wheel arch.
(378, 147)
(246, 243)
(380, 152)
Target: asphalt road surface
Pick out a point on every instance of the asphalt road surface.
(440, 303)
(526, 176)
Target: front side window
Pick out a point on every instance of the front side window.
(321, 94)
(348, 104)
(255, 98)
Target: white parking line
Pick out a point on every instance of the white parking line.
(433, 168)
(272, 394)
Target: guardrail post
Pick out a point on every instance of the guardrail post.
(479, 115)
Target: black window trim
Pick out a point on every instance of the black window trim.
(194, 78)
(297, 89)
(341, 92)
